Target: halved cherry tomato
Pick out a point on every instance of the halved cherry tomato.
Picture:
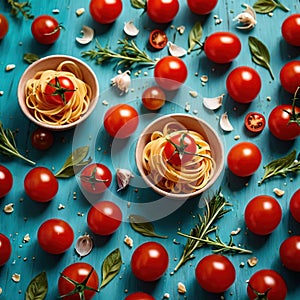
(42, 139)
(158, 39)
(153, 98)
(6, 181)
(3, 26)
(255, 122)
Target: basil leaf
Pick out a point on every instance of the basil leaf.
(195, 36)
(30, 57)
(260, 54)
(138, 4)
(143, 226)
(37, 288)
(267, 6)
(111, 267)
(74, 163)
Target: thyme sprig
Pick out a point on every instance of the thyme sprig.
(8, 145)
(21, 7)
(128, 54)
(215, 209)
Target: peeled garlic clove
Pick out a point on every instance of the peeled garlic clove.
(87, 37)
(176, 50)
(225, 123)
(130, 29)
(123, 178)
(213, 103)
(246, 18)
(122, 81)
(84, 245)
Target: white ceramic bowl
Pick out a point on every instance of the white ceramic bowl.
(190, 123)
(51, 62)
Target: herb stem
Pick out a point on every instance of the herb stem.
(281, 6)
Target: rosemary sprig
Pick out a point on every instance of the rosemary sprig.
(215, 209)
(8, 145)
(21, 7)
(129, 54)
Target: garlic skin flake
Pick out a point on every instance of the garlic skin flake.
(225, 123)
(213, 103)
(247, 18)
(84, 245)
(123, 178)
(87, 35)
(175, 50)
(130, 29)
(122, 81)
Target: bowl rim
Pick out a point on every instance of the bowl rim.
(62, 57)
(218, 170)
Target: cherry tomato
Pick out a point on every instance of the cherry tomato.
(202, 7)
(105, 11)
(3, 26)
(6, 181)
(222, 47)
(290, 76)
(158, 39)
(161, 11)
(149, 261)
(121, 121)
(5, 249)
(95, 178)
(42, 139)
(55, 236)
(243, 159)
(243, 84)
(139, 296)
(170, 73)
(295, 205)
(280, 125)
(179, 149)
(72, 279)
(45, 29)
(40, 184)
(263, 214)
(215, 273)
(104, 218)
(59, 90)
(266, 284)
(153, 98)
(290, 29)
(255, 122)
(290, 253)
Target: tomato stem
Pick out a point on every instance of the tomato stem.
(92, 179)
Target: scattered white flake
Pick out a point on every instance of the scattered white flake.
(55, 11)
(242, 264)
(225, 123)
(9, 67)
(80, 11)
(252, 261)
(278, 192)
(237, 137)
(130, 29)
(218, 21)
(166, 296)
(270, 14)
(195, 111)
(128, 241)
(181, 288)
(1, 93)
(145, 73)
(1, 290)
(235, 232)
(204, 78)
(61, 206)
(187, 107)
(193, 94)
(105, 102)
(80, 214)
(16, 277)
(87, 35)
(8, 208)
(26, 238)
(216, 17)
(268, 98)
(181, 29)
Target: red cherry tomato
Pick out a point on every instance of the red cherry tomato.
(42, 139)
(158, 39)
(243, 84)
(263, 214)
(255, 122)
(290, 253)
(290, 29)
(59, 90)
(95, 178)
(149, 261)
(222, 47)
(139, 296)
(55, 236)
(3, 26)
(170, 73)
(104, 218)
(295, 205)
(290, 76)
(6, 181)
(161, 11)
(268, 284)
(105, 11)
(45, 29)
(40, 184)
(202, 7)
(280, 125)
(243, 159)
(5, 249)
(72, 279)
(215, 273)
(121, 121)
(153, 98)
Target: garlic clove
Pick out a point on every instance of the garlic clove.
(84, 245)
(176, 50)
(247, 18)
(87, 35)
(130, 29)
(225, 123)
(213, 103)
(122, 81)
(123, 178)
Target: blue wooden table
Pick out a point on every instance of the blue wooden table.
(28, 259)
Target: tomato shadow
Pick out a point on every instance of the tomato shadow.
(287, 51)
(279, 146)
(236, 183)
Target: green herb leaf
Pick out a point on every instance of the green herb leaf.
(138, 4)
(37, 288)
(281, 166)
(195, 36)
(74, 163)
(143, 226)
(267, 6)
(260, 54)
(20, 7)
(30, 57)
(111, 267)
